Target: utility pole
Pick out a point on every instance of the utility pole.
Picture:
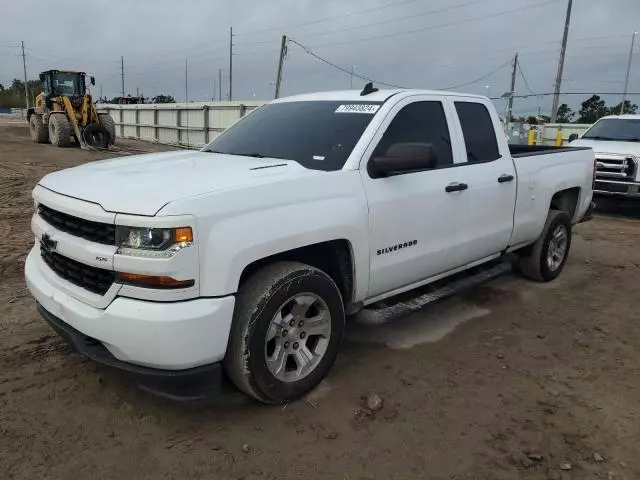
(353, 68)
(137, 92)
(122, 73)
(220, 84)
(186, 81)
(230, 63)
(513, 90)
(26, 85)
(563, 50)
(100, 92)
(283, 53)
(626, 80)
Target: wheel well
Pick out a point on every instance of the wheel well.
(30, 112)
(566, 201)
(333, 257)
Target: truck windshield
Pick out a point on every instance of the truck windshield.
(619, 129)
(319, 135)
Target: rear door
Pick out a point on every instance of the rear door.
(490, 173)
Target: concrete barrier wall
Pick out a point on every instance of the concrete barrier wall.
(196, 124)
(550, 130)
(184, 124)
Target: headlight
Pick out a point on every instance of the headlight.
(152, 242)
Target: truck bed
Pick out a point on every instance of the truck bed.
(531, 150)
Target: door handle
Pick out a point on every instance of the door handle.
(505, 178)
(456, 187)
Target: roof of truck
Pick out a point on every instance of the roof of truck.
(354, 95)
(623, 117)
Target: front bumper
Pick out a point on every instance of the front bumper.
(169, 336)
(620, 188)
(189, 384)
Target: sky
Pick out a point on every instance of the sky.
(466, 45)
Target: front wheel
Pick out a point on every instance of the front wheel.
(287, 329)
(545, 259)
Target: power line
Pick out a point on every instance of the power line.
(524, 79)
(327, 19)
(453, 87)
(442, 25)
(324, 60)
(566, 93)
(372, 24)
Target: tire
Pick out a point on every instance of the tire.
(59, 130)
(110, 125)
(96, 136)
(39, 134)
(536, 264)
(296, 292)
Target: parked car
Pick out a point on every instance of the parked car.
(245, 257)
(616, 143)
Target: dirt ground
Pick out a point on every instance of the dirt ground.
(511, 380)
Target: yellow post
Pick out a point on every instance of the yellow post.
(531, 140)
(559, 138)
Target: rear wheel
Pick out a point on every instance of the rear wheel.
(59, 130)
(545, 259)
(110, 125)
(287, 329)
(39, 133)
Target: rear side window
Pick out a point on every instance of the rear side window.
(419, 122)
(478, 131)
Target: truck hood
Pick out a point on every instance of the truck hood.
(606, 146)
(143, 184)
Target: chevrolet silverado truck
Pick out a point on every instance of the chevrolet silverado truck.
(242, 260)
(616, 143)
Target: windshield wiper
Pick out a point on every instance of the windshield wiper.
(596, 137)
(254, 155)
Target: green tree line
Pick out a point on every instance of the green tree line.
(591, 110)
(12, 96)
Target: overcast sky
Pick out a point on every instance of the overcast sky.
(418, 43)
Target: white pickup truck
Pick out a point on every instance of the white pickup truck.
(616, 143)
(244, 257)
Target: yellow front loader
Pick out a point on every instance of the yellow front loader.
(65, 109)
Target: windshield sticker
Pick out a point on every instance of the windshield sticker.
(318, 157)
(358, 108)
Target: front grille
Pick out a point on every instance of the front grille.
(96, 280)
(104, 233)
(621, 168)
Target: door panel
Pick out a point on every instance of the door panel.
(491, 176)
(415, 227)
(415, 224)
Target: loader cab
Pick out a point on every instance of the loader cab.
(63, 83)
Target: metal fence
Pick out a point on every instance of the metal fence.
(182, 124)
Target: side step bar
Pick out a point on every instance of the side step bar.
(409, 302)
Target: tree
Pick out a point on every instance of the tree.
(628, 108)
(592, 109)
(163, 99)
(565, 114)
(531, 120)
(1, 88)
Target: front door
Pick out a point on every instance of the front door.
(415, 221)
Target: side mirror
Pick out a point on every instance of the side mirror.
(403, 158)
(92, 80)
(572, 137)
